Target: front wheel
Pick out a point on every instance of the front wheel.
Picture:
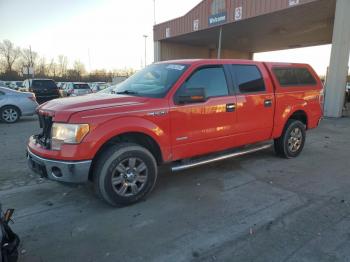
(292, 140)
(124, 174)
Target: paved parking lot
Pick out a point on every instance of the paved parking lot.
(254, 208)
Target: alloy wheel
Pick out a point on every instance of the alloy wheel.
(129, 177)
(295, 140)
(9, 115)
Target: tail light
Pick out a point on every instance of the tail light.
(322, 98)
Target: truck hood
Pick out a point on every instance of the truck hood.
(63, 108)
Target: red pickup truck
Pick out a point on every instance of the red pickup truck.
(183, 112)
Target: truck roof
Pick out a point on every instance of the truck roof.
(226, 61)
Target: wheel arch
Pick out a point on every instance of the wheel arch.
(299, 115)
(280, 123)
(139, 138)
(19, 110)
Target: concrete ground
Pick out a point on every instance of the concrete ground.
(253, 208)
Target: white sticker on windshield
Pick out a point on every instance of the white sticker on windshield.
(176, 67)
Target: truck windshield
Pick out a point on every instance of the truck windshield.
(153, 81)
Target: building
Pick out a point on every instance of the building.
(240, 28)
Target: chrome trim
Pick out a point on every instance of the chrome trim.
(218, 158)
(125, 113)
(182, 138)
(157, 113)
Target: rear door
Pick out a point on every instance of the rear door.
(205, 127)
(255, 102)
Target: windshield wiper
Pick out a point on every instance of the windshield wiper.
(126, 92)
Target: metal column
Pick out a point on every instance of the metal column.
(338, 68)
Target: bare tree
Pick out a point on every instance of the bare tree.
(9, 54)
(29, 59)
(62, 65)
(79, 68)
(41, 67)
(52, 68)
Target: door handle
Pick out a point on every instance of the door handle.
(268, 103)
(230, 107)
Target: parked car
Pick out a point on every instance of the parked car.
(60, 84)
(16, 85)
(62, 92)
(184, 113)
(77, 89)
(44, 89)
(98, 86)
(14, 104)
(348, 92)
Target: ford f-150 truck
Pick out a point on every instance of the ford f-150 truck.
(184, 113)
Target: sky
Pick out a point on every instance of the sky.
(109, 33)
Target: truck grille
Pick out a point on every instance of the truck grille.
(44, 138)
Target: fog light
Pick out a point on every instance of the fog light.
(56, 172)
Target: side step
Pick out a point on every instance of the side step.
(218, 157)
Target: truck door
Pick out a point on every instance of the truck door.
(200, 128)
(255, 102)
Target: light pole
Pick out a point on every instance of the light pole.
(145, 36)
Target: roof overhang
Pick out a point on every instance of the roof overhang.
(304, 25)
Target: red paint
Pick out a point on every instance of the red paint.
(186, 130)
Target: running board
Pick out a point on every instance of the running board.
(218, 157)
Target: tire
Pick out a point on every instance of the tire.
(10, 114)
(292, 141)
(133, 169)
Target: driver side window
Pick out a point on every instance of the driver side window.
(212, 79)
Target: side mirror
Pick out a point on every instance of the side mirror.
(191, 95)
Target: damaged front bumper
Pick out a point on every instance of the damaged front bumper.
(76, 172)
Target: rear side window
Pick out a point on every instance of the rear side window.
(294, 76)
(249, 78)
(212, 79)
(42, 84)
(81, 86)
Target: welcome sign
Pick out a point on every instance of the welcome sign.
(217, 19)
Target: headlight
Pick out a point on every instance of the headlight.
(67, 134)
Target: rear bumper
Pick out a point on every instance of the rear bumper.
(62, 171)
(42, 99)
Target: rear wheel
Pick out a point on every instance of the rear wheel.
(125, 174)
(292, 140)
(9, 114)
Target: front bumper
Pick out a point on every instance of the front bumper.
(76, 172)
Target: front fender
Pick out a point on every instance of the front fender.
(101, 134)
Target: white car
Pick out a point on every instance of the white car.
(16, 85)
(77, 89)
(14, 104)
(99, 86)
